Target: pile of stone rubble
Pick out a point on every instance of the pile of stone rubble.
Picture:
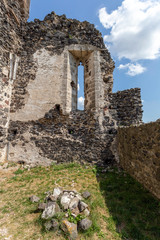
(65, 210)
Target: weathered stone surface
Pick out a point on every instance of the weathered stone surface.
(82, 206)
(65, 200)
(34, 199)
(41, 206)
(141, 145)
(50, 211)
(75, 211)
(70, 229)
(86, 212)
(57, 192)
(11, 43)
(74, 203)
(55, 224)
(79, 196)
(48, 225)
(85, 224)
(126, 107)
(51, 198)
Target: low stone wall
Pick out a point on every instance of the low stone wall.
(139, 152)
(60, 138)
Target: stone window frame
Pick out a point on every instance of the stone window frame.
(84, 51)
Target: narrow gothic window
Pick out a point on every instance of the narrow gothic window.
(80, 87)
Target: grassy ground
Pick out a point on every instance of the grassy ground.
(120, 207)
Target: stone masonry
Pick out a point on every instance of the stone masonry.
(12, 21)
(39, 120)
(139, 152)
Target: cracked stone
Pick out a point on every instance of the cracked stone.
(50, 211)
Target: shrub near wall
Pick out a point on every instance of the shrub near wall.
(139, 152)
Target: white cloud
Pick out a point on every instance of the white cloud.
(81, 103)
(78, 87)
(133, 69)
(134, 29)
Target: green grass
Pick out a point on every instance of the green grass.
(19, 171)
(132, 208)
(120, 207)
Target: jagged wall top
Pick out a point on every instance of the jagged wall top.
(19, 9)
(24, 7)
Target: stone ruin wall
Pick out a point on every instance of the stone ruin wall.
(52, 50)
(139, 152)
(47, 77)
(39, 70)
(11, 22)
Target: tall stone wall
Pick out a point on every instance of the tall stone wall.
(139, 152)
(10, 47)
(126, 107)
(50, 48)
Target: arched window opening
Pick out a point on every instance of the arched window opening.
(80, 87)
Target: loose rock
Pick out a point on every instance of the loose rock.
(57, 192)
(48, 225)
(50, 211)
(74, 203)
(70, 228)
(85, 224)
(86, 212)
(68, 209)
(86, 194)
(65, 200)
(82, 206)
(55, 224)
(75, 211)
(34, 199)
(41, 206)
(79, 196)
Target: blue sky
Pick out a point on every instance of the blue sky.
(131, 30)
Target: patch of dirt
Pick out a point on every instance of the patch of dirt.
(7, 171)
(4, 234)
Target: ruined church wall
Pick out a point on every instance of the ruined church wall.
(45, 58)
(139, 152)
(39, 133)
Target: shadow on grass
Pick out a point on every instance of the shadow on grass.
(134, 212)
